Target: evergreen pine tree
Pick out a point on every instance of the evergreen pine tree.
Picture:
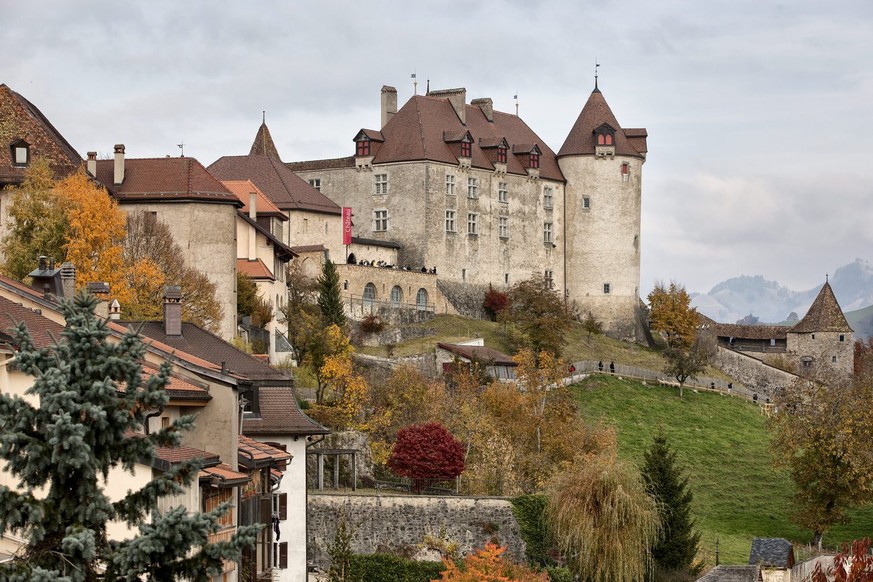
(329, 300)
(62, 451)
(676, 547)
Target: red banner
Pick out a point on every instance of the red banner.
(347, 225)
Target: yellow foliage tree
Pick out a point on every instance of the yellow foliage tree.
(672, 315)
(488, 565)
(346, 392)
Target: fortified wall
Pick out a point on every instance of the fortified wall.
(398, 524)
(752, 372)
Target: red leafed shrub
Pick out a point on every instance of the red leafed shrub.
(426, 452)
(851, 565)
(495, 302)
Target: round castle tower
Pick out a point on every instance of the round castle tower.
(602, 164)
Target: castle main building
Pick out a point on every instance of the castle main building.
(476, 194)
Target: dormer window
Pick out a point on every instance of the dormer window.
(604, 139)
(466, 149)
(501, 155)
(363, 148)
(534, 160)
(20, 153)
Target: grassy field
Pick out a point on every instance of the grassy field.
(725, 446)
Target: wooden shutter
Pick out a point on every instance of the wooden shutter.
(283, 555)
(283, 506)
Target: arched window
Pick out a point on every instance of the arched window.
(396, 297)
(601, 139)
(608, 139)
(369, 294)
(421, 300)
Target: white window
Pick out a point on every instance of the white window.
(380, 220)
(547, 232)
(472, 223)
(503, 227)
(472, 187)
(586, 203)
(450, 185)
(548, 197)
(607, 288)
(549, 277)
(21, 155)
(369, 296)
(381, 183)
(450, 221)
(396, 296)
(421, 299)
(502, 192)
(315, 183)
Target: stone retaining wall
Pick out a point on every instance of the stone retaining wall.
(399, 524)
(752, 372)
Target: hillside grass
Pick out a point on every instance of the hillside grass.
(725, 446)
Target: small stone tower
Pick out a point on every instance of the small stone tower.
(602, 164)
(823, 339)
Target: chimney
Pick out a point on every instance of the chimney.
(389, 104)
(173, 310)
(119, 164)
(92, 164)
(253, 234)
(487, 107)
(68, 280)
(101, 292)
(457, 97)
(114, 310)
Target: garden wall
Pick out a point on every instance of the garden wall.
(752, 372)
(398, 524)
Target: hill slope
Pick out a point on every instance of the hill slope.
(725, 446)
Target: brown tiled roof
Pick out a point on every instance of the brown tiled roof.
(263, 144)
(732, 574)
(372, 134)
(21, 120)
(479, 354)
(164, 179)
(41, 328)
(824, 314)
(121, 328)
(283, 187)
(388, 244)
(328, 164)
(283, 251)
(243, 189)
(211, 348)
(280, 415)
(254, 454)
(177, 388)
(225, 474)
(308, 249)
(596, 112)
(753, 332)
(255, 269)
(182, 453)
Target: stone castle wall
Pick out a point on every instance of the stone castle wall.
(752, 372)
(399, 524)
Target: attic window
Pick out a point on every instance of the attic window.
(20, 153)
(501, 155)
(466, 149)
(604, 139)
(534, 160)
(363, 148)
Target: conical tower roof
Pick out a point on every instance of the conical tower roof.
(263, 144)
(824, 314)
(580, 141)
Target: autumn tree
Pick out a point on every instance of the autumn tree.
(853, 564)
(603, 520)
(671, 314)
(535, 318)
(342, 389)
(61, 450)
(592, 325)
(676, 546)
(152, 260)
(489, 565)
(863, 363)
(426, 452)
(822, 432)
(330, 301)
(301, 314)
(683, 364)
(494, 303)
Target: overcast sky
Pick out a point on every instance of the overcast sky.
(760, 113)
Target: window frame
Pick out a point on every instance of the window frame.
(503, 192)
(451, 220)
(362, 148)
(586, 203)
(548, 197)
(450, 184)
(607, 288)
(501, 155)
(473, 223)
(472, 188)
(548, 233)
(503, 227)
(466, 149)
(380, 182)
(380, 218)
(534, 161)
(315, 183)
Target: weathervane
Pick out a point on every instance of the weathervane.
(596, 66)
(516, 103)
(182, 147)
(414, 84)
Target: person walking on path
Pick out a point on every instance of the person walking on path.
(612, 367)
(600, 365)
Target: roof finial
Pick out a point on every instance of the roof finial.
(516, 103)
(264, 116)
(414, 84)
(181, 147)
(428, 86)
(596, 65)
(826, 277)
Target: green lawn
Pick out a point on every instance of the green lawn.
(725, 446)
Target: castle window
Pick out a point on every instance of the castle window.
(396, 296)
(842, 338)
(506, 278)
(502, 192)
(534, 161)
(450, 185)
(450, 221)
(833, 359)
(466, 148)
(380, 220)
(20, 153)
(586, 203)
(625, 169)
(813, 336)
(501, 155)
(607, 288)
(472, 187)
(421, 299)
(369, 296)
(548, 197)
(363, 148)
(381, 181)
(549, 278)
(503, 227)
(315, 183)
(547, 233)
(472, 223)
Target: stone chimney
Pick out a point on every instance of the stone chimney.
(119, 164)
(92, 163)
(114, 310)
(101, 292)
(487, 107)
(389, 104)
(253, 234)
(458, 99)
(173, 310)
(68, 279)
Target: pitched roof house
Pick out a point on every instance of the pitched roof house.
(733, 574)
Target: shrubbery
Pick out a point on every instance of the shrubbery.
(381, 567)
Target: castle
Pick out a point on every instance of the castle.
(476, 196)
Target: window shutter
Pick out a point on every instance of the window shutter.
(283, 555)
(283, 506)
